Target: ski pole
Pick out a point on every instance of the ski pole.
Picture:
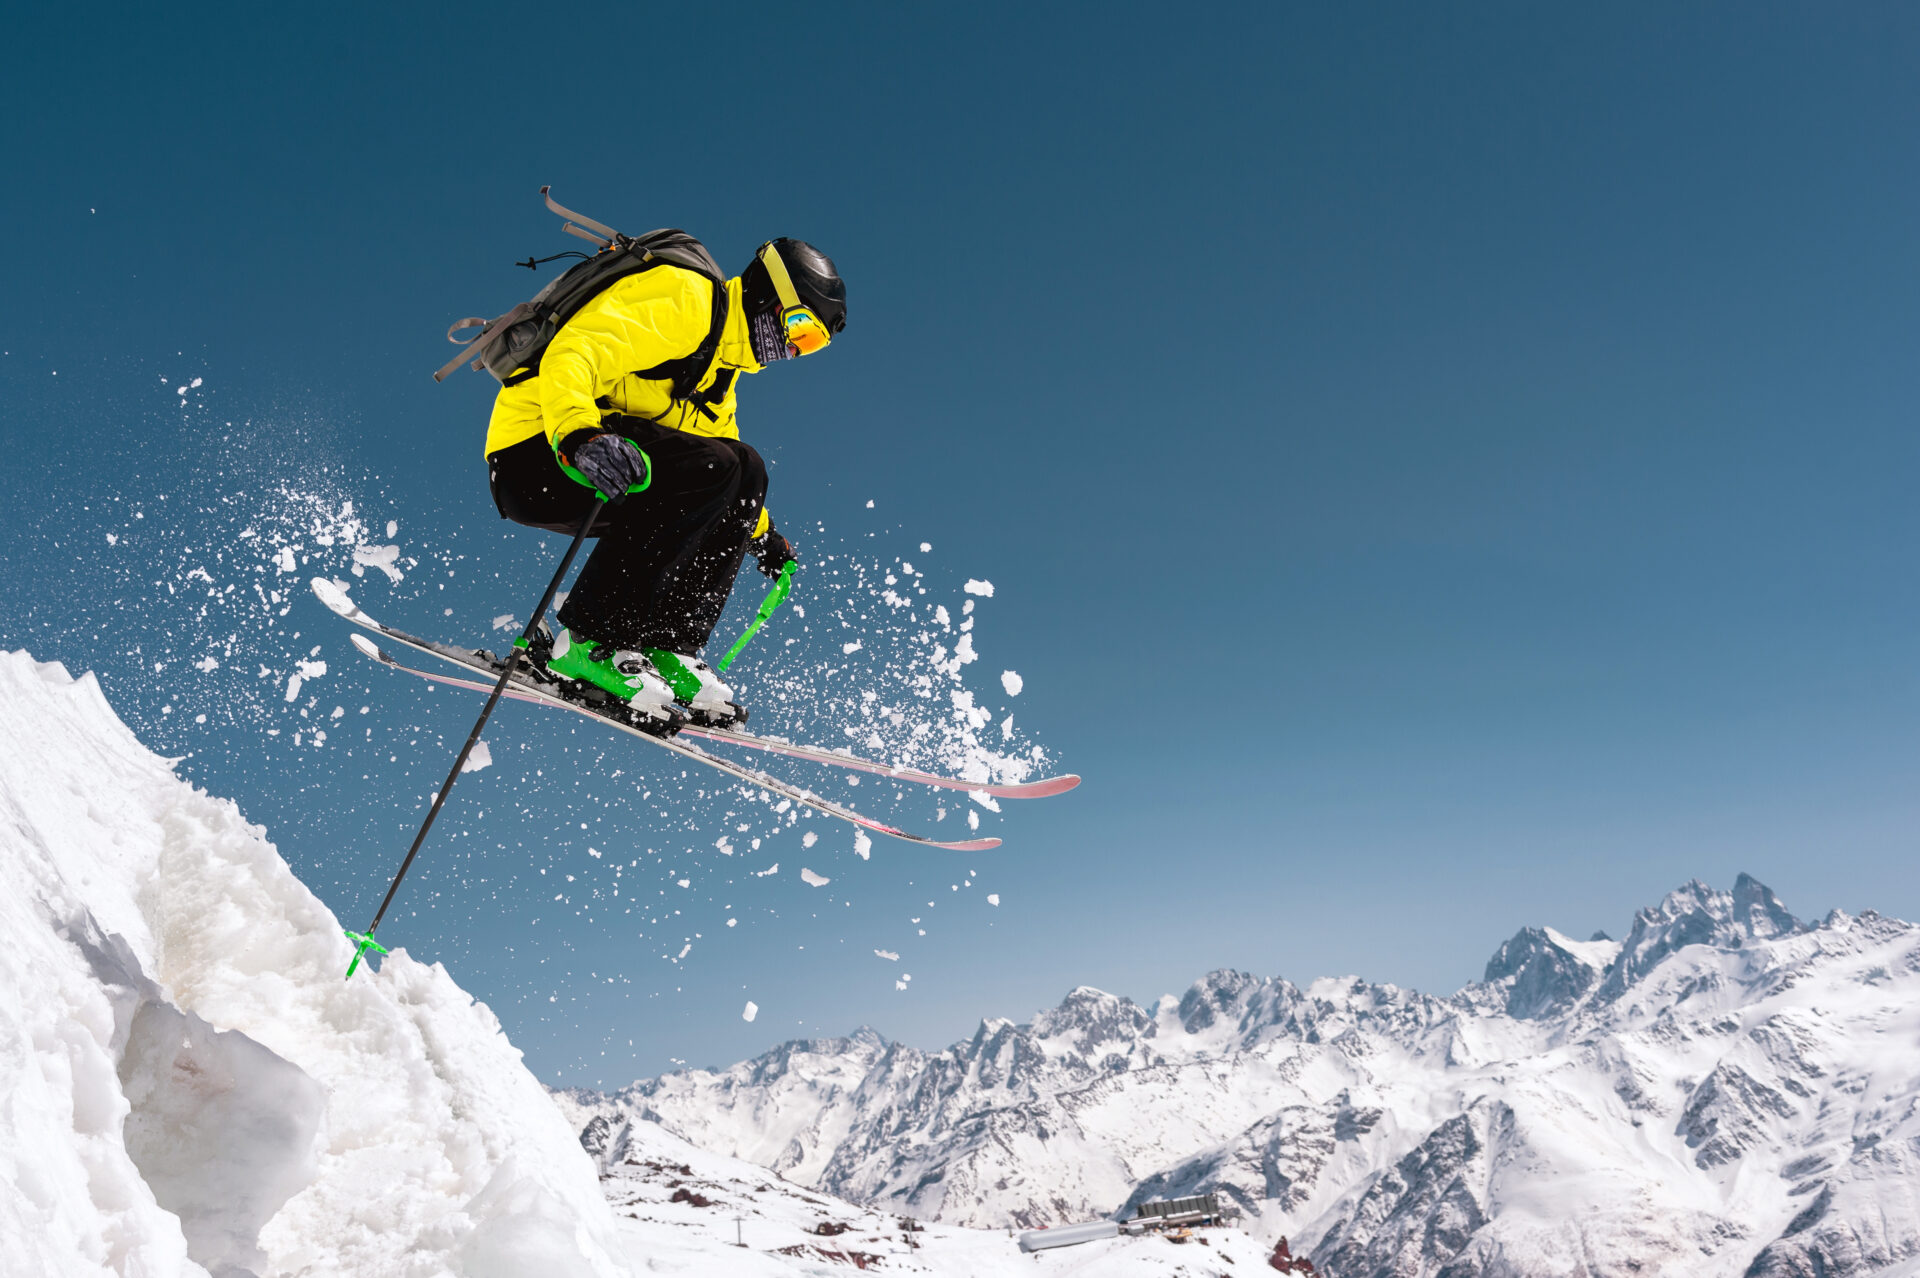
(775, 597)
(364, 940)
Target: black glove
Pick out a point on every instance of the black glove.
(773, 551)
(612, 463)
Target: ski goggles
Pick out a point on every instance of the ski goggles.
(804, 331)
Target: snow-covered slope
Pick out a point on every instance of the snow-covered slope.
(701, 1214)
(1726, 1092)
(187, 1085)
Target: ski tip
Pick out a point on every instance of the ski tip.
(367, 647)
(333, 597)
(1043, 789)
(971, 845)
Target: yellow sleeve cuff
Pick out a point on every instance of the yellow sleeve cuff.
(766, 522)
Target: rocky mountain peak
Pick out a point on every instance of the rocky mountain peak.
(1759, 911)
(1542, 973)
(1217, 996)
(1088, 1018)
(801, 1055)
(1696, 914)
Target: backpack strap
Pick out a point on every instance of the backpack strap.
(688, 371)
(470, 344)
(706, 399)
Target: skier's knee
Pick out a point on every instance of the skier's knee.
(753, 472)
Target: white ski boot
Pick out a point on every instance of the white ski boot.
(698, 688)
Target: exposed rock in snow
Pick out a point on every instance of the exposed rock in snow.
(1695, 914)
(1542, 971)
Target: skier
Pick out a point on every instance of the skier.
(585, 422)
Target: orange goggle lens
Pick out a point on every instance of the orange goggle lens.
(805, 333)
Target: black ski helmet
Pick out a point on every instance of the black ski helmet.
(814, 278)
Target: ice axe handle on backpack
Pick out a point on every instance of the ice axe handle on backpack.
(607, 232)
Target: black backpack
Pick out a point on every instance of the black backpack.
(511, 345)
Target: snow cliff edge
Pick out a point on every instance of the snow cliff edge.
(192, 1089)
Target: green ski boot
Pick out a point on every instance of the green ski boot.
(628, 676)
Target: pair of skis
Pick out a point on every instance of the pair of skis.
(526, 687)
(512, 678)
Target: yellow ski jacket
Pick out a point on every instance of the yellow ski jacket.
(593, 365)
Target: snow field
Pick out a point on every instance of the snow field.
(682, 1208)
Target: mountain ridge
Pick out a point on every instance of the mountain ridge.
(1712, 1094)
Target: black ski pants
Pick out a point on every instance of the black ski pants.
(667, 557)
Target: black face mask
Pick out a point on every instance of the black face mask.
(768, 338)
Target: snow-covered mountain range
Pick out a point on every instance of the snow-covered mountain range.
(1728, 1091)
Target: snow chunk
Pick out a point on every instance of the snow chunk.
(307, 670)
(752, 1010)
(848, 649)
(771, 869)
(813, 880)
(481, 757)
(993, 898)
(382, 557)
(982, 588)
(207, 664)
(888, 955)
(862, 844)
(505, 621)
(1012, 682)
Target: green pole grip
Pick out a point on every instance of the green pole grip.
(775, 597)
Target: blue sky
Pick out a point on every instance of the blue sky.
(1441, 469)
